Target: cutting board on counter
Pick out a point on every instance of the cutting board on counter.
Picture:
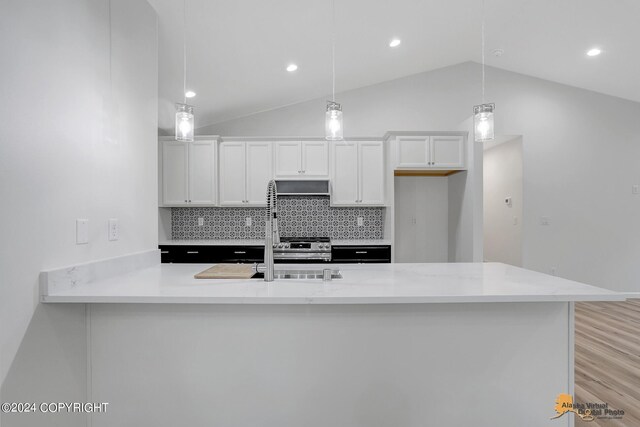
(227, 271)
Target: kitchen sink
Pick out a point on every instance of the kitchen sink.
(300, 274)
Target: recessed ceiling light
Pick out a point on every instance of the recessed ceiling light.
(594, 52)
(292, 67)
(190, 94)
(395, 43)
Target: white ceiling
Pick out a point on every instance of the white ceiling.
(238, 49)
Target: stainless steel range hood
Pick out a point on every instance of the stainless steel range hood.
(297, 187)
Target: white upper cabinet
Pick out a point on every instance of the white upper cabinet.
(412, 152)
(306, 159)
(429, 152)
(447, 151)
(245, 170)
(344, 182)
(188, 173)
(259, 171)
(288, 158)
(202, 173)
(315, 159)
(232, 173)
(175, 167)
(358, 174)
(371, 172)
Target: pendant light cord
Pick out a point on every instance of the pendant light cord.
(110, 56)
(184, 49)
(483, 52)
(333, 49)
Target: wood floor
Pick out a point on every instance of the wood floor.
(608, 359)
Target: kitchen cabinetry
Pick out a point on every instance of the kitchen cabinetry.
(301, 159)
(245, 171)
(361, 254)
(358, 174)
(430, 151)
(188, 173)
(200, 254)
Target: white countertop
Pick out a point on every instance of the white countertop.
(260, 242)
(362, 284)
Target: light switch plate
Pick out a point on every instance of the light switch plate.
(114, 229)
(247, 221)
(82, 231)
(360, 221)
(635, 189)
(545, 220)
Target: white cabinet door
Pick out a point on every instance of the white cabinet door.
(447, 151)
(175, 163)
(371, 172)
(232, 174)
(259, 171)
(288, 159)
(315, 159)
(202, 173)
(344, 184)
(412, 152)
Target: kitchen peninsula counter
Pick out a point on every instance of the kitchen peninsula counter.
(389, 344)
(361, 284)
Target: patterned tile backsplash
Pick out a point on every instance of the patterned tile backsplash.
(297, 216)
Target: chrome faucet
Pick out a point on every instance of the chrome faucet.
(271, 233)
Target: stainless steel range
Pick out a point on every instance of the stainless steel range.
(303, 249)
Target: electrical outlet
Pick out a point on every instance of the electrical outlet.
(508, 201)
(360, 221)
(553, 271)
(114, 229)
(545, 220)
(515, 220)
(247, 221)
(82, 231)
(200, 222)
(635, 189)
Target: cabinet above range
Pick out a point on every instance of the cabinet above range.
(301, 159)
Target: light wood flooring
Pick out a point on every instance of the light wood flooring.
(607, 355)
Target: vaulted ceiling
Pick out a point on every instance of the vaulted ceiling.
(237, 50)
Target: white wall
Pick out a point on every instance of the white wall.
(502, 221)
(581, 156)
(69, 150)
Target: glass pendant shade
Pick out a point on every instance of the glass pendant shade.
(483, 122)
(184, 123)
(333, 122)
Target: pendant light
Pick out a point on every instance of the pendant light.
(185, 123)
(333, 117)
(483, 113)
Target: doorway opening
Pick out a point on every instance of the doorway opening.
(503, 200)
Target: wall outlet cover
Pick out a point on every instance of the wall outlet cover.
(114, 229)
(635, 189)
(200, 222)
(247, 221)
(545, 220)
(82, 231)
(360, 221)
